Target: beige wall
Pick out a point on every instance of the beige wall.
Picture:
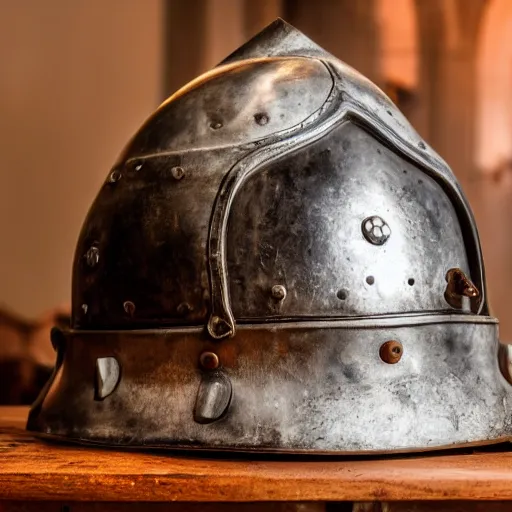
(77, 78)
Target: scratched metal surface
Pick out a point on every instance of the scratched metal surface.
(295, 388)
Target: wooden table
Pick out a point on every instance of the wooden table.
(37, 475)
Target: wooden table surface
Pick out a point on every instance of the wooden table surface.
(32, 469)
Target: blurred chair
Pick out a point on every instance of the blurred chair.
(26, 354)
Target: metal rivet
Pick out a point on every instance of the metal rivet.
(209, 360)
(261, 119)
(370, 280)
(215, 125)
(129, 307)
(279, 292)
(177, 172)
(410, 281)
(84, 307)
(391, 352)
(375, 230)
(421, 144)
(184, 308)
(342, 294)
(92, 256)
(115, 175)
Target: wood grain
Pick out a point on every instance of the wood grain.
(36, 470)
(57, 506)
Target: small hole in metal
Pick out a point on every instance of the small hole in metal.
(261, 119)
(342, 294)
(410, 281)
(370, 280)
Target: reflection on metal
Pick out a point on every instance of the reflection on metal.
(460, 290)
(107, 376)
(213, 397)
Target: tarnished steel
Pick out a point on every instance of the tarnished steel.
(278, 262)
(307, 386)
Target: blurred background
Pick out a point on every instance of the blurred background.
(78, 78)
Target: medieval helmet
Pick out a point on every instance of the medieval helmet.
(278, 262)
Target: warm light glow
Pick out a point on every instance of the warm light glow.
(398, 33)
(494, 74)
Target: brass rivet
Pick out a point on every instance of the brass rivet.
(391, 352)
(209, 360)
(279, 292)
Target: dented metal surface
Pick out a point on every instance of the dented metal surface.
(278, 262)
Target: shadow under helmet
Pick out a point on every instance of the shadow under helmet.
(278, 262)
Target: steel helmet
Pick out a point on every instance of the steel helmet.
(278, 262)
